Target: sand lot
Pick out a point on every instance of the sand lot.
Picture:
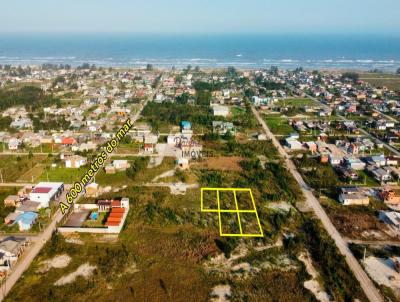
(383, 272)
(221, 163)
(85, 270)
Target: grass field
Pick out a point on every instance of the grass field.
(391, 81)
(33, 174)
(297, 102)
(278, 125)
(146, 175)
(45, 148)
(161, 254)
(62, 174)
(12, 166)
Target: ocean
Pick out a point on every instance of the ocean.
(363, 52)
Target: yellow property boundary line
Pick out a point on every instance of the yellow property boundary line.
(237, 211)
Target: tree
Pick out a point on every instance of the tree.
(352, 76)
(274, 70)
(398, 71)
(232, 71)
(149, 67)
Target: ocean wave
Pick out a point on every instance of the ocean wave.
(387, 64)
(365, 61)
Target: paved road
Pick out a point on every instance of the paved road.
(374, 242)
(369, 288)
(15, 184)
(31, 252)
(26, 259)
(27, 153)
(387, 116)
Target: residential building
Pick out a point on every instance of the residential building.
(75, 161)
(13, 144)
(219, 110)
(12, 201)
(353, 196)
(223, 127)
(293, 144)
(354, 163)
(45, 192)
(389, 197)
(11, 248)
(390, 218)
(92, 190)
(382, 175)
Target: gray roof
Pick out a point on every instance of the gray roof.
(12, 244)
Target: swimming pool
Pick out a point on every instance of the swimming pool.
(94, 215)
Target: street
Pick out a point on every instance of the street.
(369, 288)
(29, 255)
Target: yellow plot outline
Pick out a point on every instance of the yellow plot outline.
(237, 211)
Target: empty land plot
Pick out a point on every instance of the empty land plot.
(229, 224)
(66, 175)
(244, 200)
(297, 102)
(210, 200)
(227, 200)
(221, 163)
(12, 166)
(33, 174)
(391, 81)
(278, 125)
(250, 223)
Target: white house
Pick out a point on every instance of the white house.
(14, 143)
(121, 165)
(221, 110)
(44, 192)
(294, 144)
(75, 161)
(353, 196)
(335, 160)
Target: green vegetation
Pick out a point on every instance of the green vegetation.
(138, 173)
(339, 281)
(137, 166)
(12, 167)
(5, 123)
(51, 123)
(165, 114)
(278, 125)
(4, 211)
(391, 81)
(297, 102)
(317, 175)
(243, 118)
(62, 174)
(350, 76)
(31, 97)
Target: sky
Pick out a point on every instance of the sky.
(201, 16)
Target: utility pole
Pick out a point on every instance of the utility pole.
(365, 252)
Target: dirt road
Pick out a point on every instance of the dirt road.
(369, 288)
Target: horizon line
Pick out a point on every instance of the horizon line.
(347, 33)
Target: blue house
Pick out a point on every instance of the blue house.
(26, 220)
